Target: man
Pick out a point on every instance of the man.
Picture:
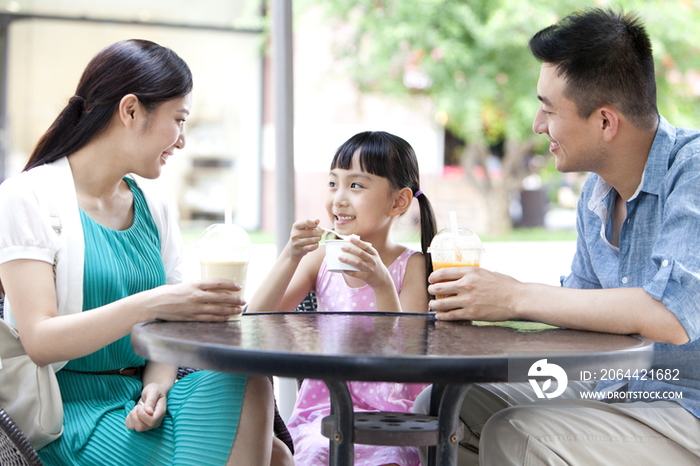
(636, 268)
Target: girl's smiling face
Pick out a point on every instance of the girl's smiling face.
(358, 202)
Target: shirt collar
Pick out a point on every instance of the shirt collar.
(639, 188)
(658, 161)
(597, 203)
(654, 170)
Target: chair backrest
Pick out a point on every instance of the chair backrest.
(15, 449)
(14, 446)
(309, 304)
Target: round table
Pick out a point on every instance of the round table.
(389, 347)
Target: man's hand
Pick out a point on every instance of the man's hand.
(472, 293)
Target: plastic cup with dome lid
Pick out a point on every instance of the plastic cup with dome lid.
(224, 252)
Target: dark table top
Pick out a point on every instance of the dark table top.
(376, 346)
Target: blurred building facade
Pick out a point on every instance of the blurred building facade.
(220, 165)
(329, 109)
(229, 156)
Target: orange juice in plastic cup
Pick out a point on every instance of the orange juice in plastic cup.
(464, 251)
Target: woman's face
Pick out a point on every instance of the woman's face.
(162, 132)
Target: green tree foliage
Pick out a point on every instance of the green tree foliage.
(471, 58)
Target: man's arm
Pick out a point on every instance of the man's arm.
(478, 294)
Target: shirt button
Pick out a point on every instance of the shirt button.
(665, 263)
(624, 279)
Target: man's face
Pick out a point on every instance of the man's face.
(575, 141)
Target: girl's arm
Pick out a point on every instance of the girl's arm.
(294, 273)
(50, 338)
(304, 280)
(414, 292)
(148, 413)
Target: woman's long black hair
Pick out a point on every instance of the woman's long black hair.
(151, 72)
(391, 157)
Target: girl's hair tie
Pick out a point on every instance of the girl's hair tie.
(417, 193)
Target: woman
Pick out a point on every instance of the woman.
(75, 296)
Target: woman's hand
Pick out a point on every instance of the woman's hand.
(149, 411)
(204, 300)
(304, 238)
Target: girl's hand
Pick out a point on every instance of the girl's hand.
(204, 300)
(372, 269)
(304, 238)
(150, 410)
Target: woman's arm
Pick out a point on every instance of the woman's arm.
(162, 374)
(49, 338)
(148, 414)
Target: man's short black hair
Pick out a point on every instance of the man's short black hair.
(606, 59)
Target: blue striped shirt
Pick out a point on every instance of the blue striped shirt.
(659, 250)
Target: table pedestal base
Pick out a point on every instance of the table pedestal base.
(390, 428)
(446, 401)
(442, 428)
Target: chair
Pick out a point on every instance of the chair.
(15, 449)
(309, 303)
(381, 428)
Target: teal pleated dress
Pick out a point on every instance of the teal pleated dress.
(203, 408)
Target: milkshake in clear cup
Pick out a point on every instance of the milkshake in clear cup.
(224, 252)
(446, 251)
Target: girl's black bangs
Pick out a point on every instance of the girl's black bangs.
(372, 154)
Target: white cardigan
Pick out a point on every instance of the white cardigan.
(26, 201)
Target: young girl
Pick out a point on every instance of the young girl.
(74, 296)
(373, 180)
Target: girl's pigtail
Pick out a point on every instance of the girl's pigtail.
(428, 229)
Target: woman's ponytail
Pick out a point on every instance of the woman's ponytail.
(143, 68)
(65, 135)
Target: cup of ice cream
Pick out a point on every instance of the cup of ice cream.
(333, 251)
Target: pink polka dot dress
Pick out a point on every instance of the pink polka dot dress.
(313, 402)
